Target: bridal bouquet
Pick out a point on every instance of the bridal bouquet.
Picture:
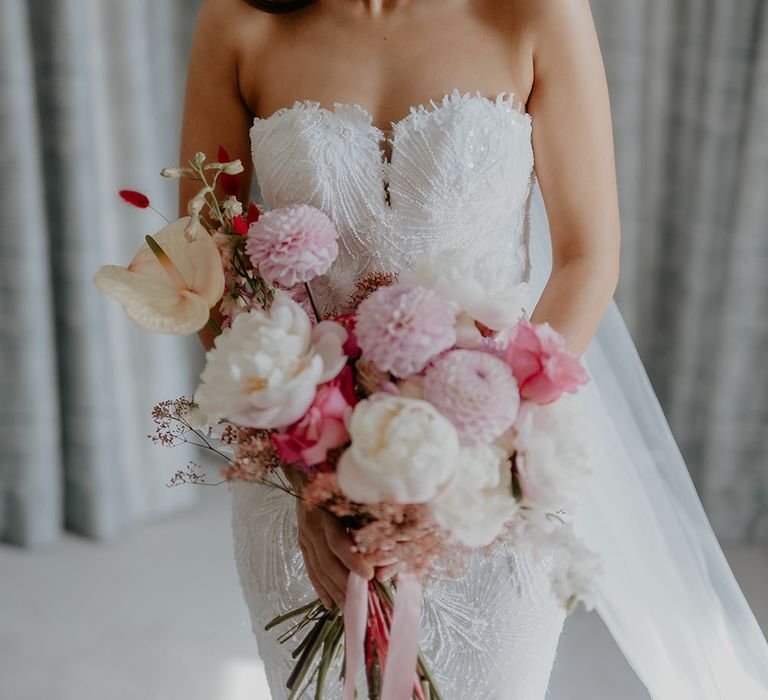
(433, 419)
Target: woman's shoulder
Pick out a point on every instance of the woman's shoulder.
(235, 23)
(548, 28)
(231, 36)
(533, 17)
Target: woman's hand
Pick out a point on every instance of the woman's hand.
(328, 554)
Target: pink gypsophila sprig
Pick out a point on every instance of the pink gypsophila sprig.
(408, 533)
(401, 328)
(476, 392)
(254, 455)
(543, 366)
(292, 245)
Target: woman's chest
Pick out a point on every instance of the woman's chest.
(387, 66)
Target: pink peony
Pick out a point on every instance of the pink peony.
(543, 366)
(322, 428)
(351, 348)
(476, 392)
(291, 245)
(401, 328)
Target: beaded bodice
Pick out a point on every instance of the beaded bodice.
(457, 174)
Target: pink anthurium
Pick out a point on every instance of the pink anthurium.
(172, 282)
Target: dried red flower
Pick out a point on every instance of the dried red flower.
(254, 212)
(239, 226)
(351, 348)
(135, 199)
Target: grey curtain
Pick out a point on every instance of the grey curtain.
(90, 95)
(90, 101)
(689, 89)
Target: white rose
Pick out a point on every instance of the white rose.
(402, 449)
(554, 456)
(483, 287)
(478, 502)
(232, 207)
(264, 370)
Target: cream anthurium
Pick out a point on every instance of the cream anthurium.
(172, 282)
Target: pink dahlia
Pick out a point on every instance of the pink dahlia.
(402, 327)
(476, 392)
(543, 366)
(291, 245)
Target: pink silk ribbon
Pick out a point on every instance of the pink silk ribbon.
(400, 668)
(403, 651)
(355, 619)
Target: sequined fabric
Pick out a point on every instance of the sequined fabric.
(457, 174)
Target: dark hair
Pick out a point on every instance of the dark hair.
(279, 6)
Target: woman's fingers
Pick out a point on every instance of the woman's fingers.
(310, 564)
(325, 597)
(331, 593)
(329, 555)
(341, 545)
(334, 574)
(382, 559)
(385, 573)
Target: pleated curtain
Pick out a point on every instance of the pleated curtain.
(90, 96)
(689, 90)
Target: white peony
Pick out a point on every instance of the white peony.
(575, 570)
(554, 456)
(402, 449)
(197, 419)
(478, 502)
(264, 370)
(483, 287)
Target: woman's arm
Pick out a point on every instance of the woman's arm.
(214, 111)
(215, 114)
(573, 149)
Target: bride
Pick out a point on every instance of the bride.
(415, 124)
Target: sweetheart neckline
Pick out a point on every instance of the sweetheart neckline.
(504, 99)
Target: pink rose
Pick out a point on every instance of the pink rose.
(351, 348)
(307, 442)
(543, 367)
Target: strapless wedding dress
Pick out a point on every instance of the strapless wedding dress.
(459, 175)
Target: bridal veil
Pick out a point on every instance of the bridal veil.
(667, 594)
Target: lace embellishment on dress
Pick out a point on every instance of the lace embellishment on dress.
(458, 175)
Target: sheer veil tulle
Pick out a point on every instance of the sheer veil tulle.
(667, 593)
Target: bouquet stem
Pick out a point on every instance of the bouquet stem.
(321, 646)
